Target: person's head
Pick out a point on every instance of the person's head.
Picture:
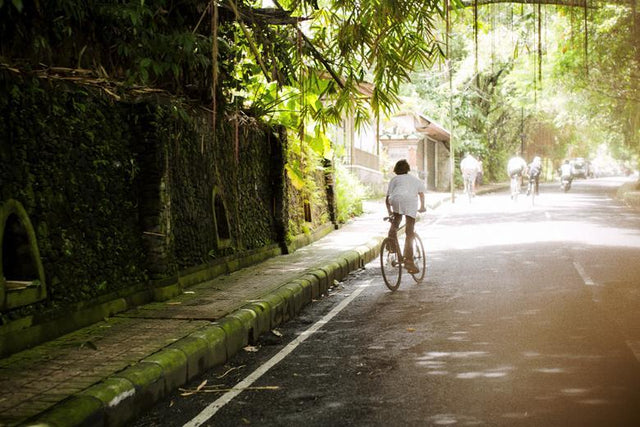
(537, 160)
(566, 162)
(402, 167)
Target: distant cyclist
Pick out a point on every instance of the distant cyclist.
(566, 176)
(516, 168)
(565, 171)
(535, 168)
(402, 199)
(469, 167)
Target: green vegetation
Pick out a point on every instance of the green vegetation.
(556, 79)
(551, 80)
(349, 194)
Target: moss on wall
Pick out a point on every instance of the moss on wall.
(66, 157)
(122, 192)
(242, 164)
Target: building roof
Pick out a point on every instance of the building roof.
(415, 126)
(433, 129)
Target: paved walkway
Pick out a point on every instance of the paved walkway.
(112, 371)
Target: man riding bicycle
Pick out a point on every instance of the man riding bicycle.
(402, 196)
(535, 169)
(469, 167)
(516, 169)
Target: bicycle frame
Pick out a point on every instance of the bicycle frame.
(392, 259)
(515, 186)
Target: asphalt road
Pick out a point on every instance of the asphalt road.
(529, 316)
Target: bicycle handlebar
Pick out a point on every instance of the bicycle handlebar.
(390, 218)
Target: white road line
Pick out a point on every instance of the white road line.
(585, 277)
(210, 410)
(634, 346)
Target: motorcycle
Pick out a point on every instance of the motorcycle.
(565, 183)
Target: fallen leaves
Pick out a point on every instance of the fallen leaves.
(231, 370)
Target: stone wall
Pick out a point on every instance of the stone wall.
(123, 195)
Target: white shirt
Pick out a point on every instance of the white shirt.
(565, 170)
(516, 164)
(469, 165)
(403, 194)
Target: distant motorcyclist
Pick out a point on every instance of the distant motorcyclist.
(535, 169)
(566, 175)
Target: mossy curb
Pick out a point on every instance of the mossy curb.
(236, 333)
(216, 341)
(174, 367)
(323, 283)
(118, 397)
(277, 308)
(262, 311)
(195, 350)
(148, 382)
(79, 410)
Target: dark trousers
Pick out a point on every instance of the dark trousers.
(409, 232)
(535, 182)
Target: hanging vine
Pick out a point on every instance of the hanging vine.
(213, 7)
(475, 38)
(540, 44)
(586, 38)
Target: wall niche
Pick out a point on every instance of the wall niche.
(221, 220)
(22, 279)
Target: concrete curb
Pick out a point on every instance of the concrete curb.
(129, 393)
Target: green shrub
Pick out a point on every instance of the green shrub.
(349, 194)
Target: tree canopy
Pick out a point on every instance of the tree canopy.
(565, 69)
(250, 53)
(550, 80)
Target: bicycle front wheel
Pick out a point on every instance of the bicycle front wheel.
(390, 264)
(419, 258)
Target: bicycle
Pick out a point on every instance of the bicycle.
(515, 187)
(392, 261)
(468, 185)
(531, 189)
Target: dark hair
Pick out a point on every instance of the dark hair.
(402, 167)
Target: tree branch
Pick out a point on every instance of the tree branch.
(568, 3)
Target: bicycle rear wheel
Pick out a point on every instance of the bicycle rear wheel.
(419, 258)
(390, 264)
(515, 188)
(532, 192)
